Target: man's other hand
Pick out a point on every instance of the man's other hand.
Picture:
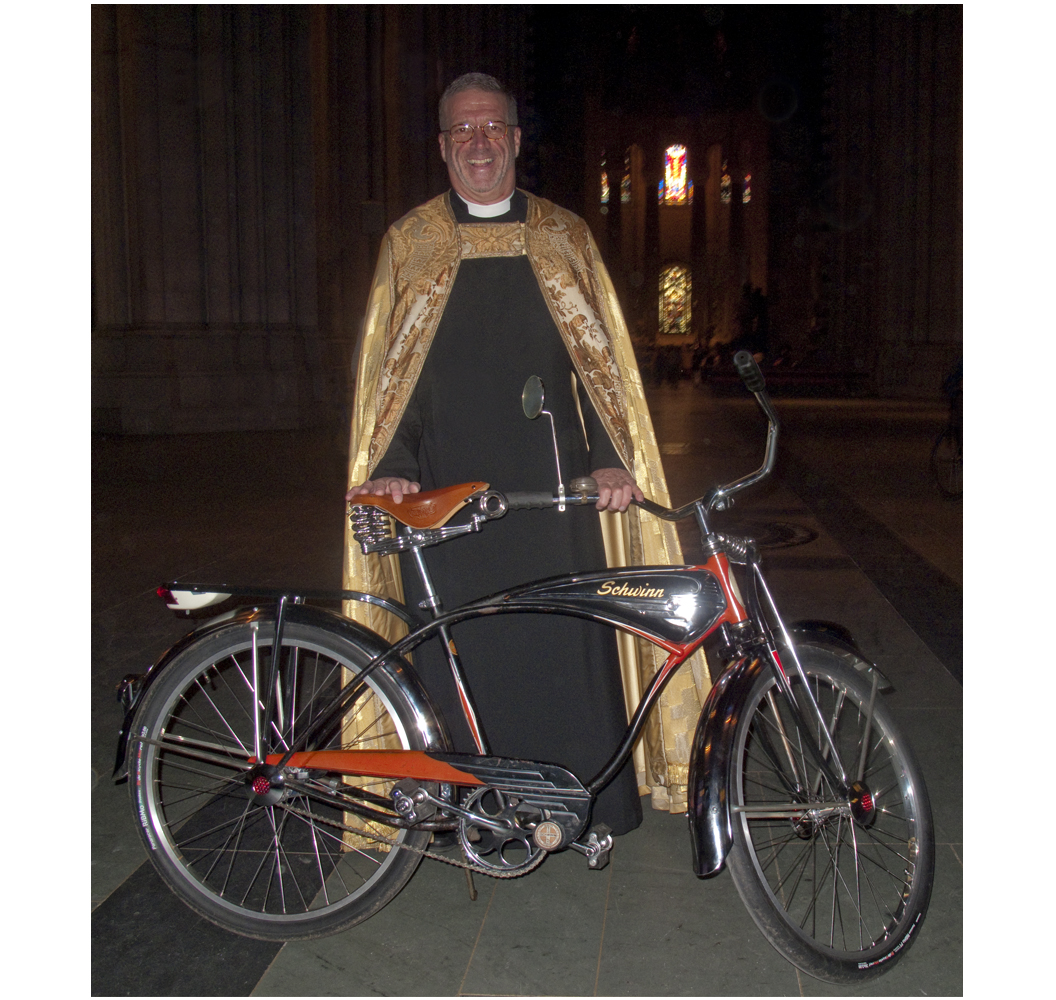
(616, 488)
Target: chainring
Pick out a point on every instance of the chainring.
(509, 851)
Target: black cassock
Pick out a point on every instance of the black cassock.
(547, 687)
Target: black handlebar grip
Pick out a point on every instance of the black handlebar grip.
(749, 372)
(529, 501)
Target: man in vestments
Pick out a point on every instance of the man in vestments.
(474, 292)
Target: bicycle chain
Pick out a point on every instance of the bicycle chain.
(466, 863)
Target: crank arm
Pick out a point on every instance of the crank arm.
(499, 826)
(597, 848)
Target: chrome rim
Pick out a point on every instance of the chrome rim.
(842, 883)
(287, 859)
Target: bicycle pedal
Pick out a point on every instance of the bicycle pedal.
(597, 848)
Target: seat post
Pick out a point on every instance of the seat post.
(432, 598)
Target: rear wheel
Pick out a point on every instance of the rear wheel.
(293, 863)
(838, 883)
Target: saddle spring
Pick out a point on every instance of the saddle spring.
(371, 526)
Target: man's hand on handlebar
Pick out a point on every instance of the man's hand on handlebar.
(616, 489)
(392, 486)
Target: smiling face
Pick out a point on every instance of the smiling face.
(481, 170)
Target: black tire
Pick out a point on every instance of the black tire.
(947, 464)
(275, 871)
(841, 899)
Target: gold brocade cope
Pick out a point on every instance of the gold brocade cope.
(495, 239)
(416, 270)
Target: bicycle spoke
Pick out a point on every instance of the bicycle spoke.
(186, 843)
(197, 791)
(235, 836)
(220, 715)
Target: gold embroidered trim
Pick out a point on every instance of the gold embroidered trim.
(492, 239)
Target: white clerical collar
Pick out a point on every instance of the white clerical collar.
(489, 211)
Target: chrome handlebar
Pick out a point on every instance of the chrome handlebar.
(585, 490)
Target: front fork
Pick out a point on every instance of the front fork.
(713, 753)
(824, 751)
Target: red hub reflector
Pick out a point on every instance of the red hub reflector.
(862, 803)
(261, 785)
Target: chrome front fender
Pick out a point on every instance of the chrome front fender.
(711, 759)
(428, 719)
(710, 762)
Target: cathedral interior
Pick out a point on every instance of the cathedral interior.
(783, 177)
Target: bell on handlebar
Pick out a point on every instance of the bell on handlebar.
(583, 486)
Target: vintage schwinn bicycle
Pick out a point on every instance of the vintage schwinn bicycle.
(288, 770)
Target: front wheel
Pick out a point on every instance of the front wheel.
(290, 864)
(838, 883)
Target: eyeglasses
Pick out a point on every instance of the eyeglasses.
(464, 132)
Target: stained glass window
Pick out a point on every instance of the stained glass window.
(625, 184)
(675, 175)
(746, 195)
(725, 185)
(675, 290)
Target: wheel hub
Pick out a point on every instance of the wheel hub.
(863, 805)
(804, 826)
(266, 784)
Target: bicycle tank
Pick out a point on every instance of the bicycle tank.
(675, 604)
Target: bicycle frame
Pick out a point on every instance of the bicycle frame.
(679, 609)
(676, 607)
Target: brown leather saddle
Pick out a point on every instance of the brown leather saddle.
(424, 510)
